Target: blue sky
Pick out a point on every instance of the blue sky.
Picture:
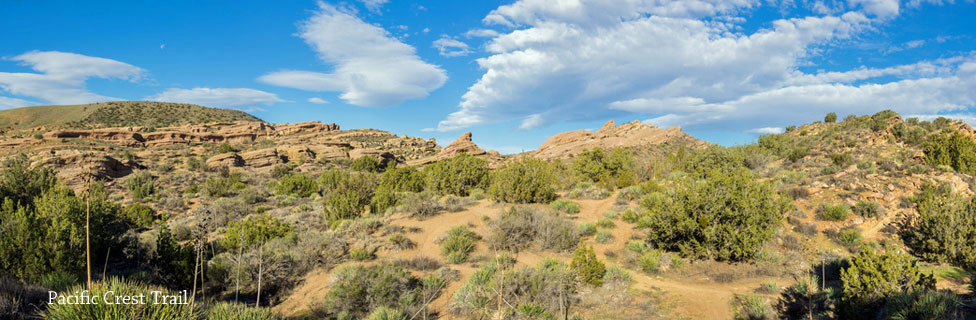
(513, 73)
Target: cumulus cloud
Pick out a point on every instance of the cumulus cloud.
(687, 63)
(768, 130)
(317, 100)
(61, 76)
(217, 97)
(451, 48)
(370, 66)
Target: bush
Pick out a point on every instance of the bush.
(225, 148)
(421, 205)
(727, 216)
(587, 229)
(234, 311)
(361, 290)
(255, 230)
(222, 186)
(139, 215)
(797, 153)
(520, 227)
(945, 227)
(524, 181)
(867, 209)
(596, 165)
(540, 292)
(141, 185)
(121, 288)
(366, 163)
(280, 171)
(752, 308)
(838, 212)
(58, 217)
(926, 304)
(457, 175)
(850, 237)
(872, 278)
(384, 313)
(393, 182)
(296, 184)
(587, 266)
(842, 160)
(566, 206)
(830, 118)
(957, 151)
(604, 236)
(350, 195)
(458, 244)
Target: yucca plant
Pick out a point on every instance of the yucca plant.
(118, 287)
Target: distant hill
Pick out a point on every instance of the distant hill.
(119, 114)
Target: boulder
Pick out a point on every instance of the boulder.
(261, 158)
(229, 159)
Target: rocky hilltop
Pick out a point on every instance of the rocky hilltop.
(630, 134)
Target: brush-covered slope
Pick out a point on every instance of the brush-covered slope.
(119, 114)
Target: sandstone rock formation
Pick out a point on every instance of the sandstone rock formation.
(462, 144)
(631, 134)
(229, 159)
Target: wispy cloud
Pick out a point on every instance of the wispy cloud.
(61, 76)
(449, 47)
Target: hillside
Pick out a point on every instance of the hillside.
(684, 228)
(118, 114)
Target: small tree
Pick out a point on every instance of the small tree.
(366, 163)
(830, 118)
(296, 184)
(524, 181)
(588, 267)
(457, 175)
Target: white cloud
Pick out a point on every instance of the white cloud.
(685, 63)
(217, 97)
(481, 33)
(451, 48)
(768, 130)
(62, 76)
(374, 5)
(371, 68)
(9, 103)
(317, 100)
(578, 59)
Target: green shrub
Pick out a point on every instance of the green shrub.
(254, 230)
(524, 181)
(366, 163)
(879, 121)
(830, 118)
(458, 244)
(393, 182)
(361, 290)
(420, 204)
(362, 254)
(457, 175)
(141, 185)
(296, 184)
(116, 287)
(752, 308)
(650, 261)
(225, 148)
(873, 278)
(957, 151)
(838, 212)
(384, 313)
(727, 216)
(797, 153)
(605, 223)
(58, 217)
(139, 215)
(596, 165)
(587, 229)
(280, 171)
(565, 206)
(867, 209)
(587, 266)
(850, 237)
(604, 236)
(222, 186)
(520, 227)
(945, 227)
(842, 160)
(349, 196)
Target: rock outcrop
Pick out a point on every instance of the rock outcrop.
(462, 144)
(229, 159)
(631, 134)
